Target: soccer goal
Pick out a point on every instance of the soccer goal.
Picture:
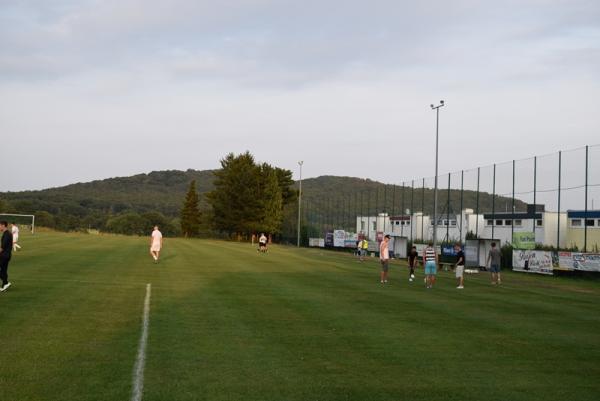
(27, 220)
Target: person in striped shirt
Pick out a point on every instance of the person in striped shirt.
(430, 260)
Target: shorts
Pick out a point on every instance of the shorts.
(495, 268)
(430, 267)
(155, 248)
(363, 252)
(385, 265)
(459, 271)
(16, 238)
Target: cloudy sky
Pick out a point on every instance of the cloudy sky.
(94, 89)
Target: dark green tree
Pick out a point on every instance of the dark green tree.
(190, 213)
(272, 203)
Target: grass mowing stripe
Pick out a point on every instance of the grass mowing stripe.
(138, 370)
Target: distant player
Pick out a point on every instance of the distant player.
(413, 258)
(6, 246)
(156, 243)
(493, 262)
(384, 258)
(459, 268)
(364, 249)
(15, 235)
(262, 243)
(430, 260)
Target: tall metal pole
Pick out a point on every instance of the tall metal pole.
(462, 190)
(423, 211)
(402, 213)
(435, 191)
(412, 208)
(448, 212)
(585, 226)
(300, 163)
(534, 194)
(559, 183)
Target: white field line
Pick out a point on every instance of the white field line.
(140, 362)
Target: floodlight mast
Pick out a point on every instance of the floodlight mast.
(300, 163)
(435, 191)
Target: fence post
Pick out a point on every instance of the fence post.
(585, 227)
(494, 202)
(477, 205)
(512, 226)
(462, 182)
(559, 184)
(534, 194)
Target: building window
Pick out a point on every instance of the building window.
(538, 223)
(575, 222)
(590, 222)
(507, 222)
(362, 226)
(453, 222)
(397, 223)
(490, 222)
(374, 226)
(407, 223)
(498, 222)
(518, 222)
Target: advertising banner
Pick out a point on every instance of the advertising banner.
(421, 247)
(329, 239)
(472, 253)
(339, 237)
(448, 250)
(589, 262)
(316, 242)
(523, 240)
(529, 261)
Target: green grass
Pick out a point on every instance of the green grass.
(227, 323)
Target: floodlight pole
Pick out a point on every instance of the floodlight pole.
(300, 163)
(435, 191)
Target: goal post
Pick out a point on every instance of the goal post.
(19, 218)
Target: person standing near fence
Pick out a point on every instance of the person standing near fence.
(430, 260)
(413, 257)
(364, 249)
(15, 235)
(459, 269)
(6, 244)
(493, 262)
(384, 258)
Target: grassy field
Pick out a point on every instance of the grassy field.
(227, 323)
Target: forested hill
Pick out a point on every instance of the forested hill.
(94, 203)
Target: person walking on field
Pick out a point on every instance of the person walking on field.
(6, 246)
(413, 257)
(493, 262)
(262, 243)
(430, 260)
(384, 257)
(459, 268)
(156, 243)
(15, 235)
(364, 249)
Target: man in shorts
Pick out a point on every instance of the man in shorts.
(384, 258)
(459, 268)
(6, 246)
(413, 257)
(430, 260)
(15, 235)
(156, 243)
(493, 262)
(262, 243)
(364, 249)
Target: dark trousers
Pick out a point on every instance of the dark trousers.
(4, 269)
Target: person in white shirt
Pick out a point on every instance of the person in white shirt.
(15, 234)
(384, 258)
(156, 243)
(262, 243)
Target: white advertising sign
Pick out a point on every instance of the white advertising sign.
(531, 261)
(589, 262)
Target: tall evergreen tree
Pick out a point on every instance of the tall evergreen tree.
(190, 213)
(272, 203)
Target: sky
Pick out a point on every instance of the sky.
(94, 89)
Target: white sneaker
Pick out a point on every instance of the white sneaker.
(410, 279)
(385, 281)
(381, 281)
(5, 287)
(460, 287)
(412, 276)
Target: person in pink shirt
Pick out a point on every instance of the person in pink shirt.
(384, 258)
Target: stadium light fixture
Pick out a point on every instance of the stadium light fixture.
(435, 191)
(300, 163)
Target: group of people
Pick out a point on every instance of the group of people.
(430, 261)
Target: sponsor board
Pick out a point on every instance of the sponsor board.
(339, 237)
(421, 247)
(316, 242)
(589, 262)
(530, 261)
(523, 240)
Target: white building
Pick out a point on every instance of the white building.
(419, 227)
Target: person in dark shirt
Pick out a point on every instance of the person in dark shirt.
(460, 266)
(6, 244)
(413, 259)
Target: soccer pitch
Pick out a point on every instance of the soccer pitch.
(228, 323)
